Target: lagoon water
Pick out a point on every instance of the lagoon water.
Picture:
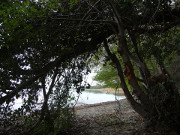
(86, 97)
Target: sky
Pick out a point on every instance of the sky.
(90, 80)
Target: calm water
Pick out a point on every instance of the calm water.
(86, 97)
(93, 97)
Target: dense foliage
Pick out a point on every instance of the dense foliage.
(107, 76)
(45, 47)
(166, 49)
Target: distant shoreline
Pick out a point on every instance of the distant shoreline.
(108, 90)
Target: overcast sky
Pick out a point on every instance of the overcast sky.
(90, 80)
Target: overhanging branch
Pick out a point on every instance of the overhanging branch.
(80, 48)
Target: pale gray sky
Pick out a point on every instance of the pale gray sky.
(90, 80)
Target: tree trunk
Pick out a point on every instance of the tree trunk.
(160, 102)
(144, 72)
(137, 107)
(129, 71)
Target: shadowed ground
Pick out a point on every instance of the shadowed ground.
(109, 118)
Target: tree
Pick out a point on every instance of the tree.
(34, 59)
(107, 76)
(49, 36)
(148, 96)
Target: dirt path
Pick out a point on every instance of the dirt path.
(109, 118)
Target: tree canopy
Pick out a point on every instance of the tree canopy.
(45, 47)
